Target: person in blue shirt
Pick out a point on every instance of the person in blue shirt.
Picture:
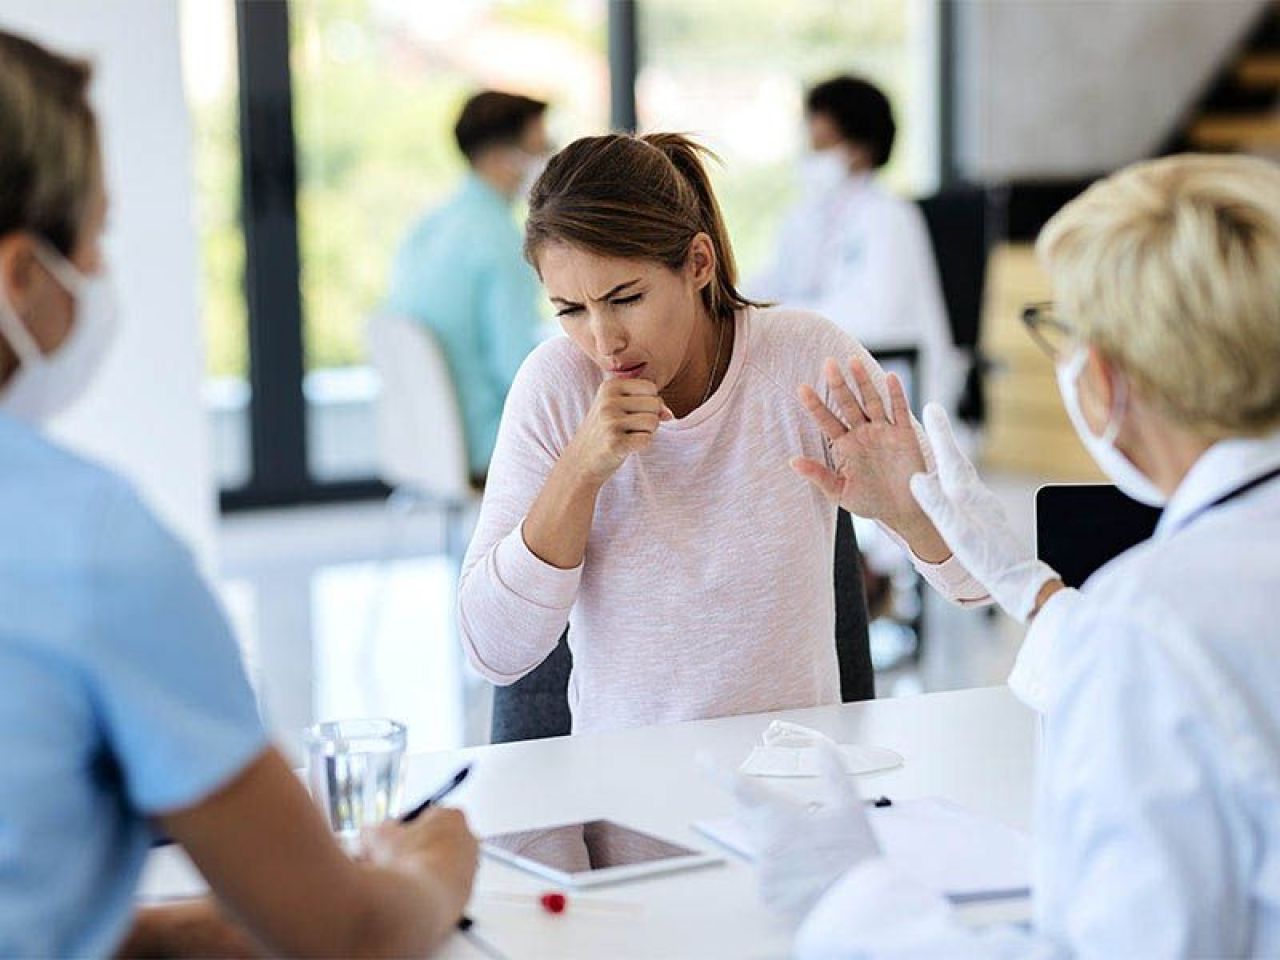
(124, 707)
(461, 271)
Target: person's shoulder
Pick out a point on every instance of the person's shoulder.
(41, 475)
(81, 516)
(1143, 641)
(556, 372)
(551, 393)
(895, 210)
(1155, 601)
(462, 223)
(557, 359)
(794, 343)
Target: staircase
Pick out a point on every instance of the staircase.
(1027, 430)
(1241, 110)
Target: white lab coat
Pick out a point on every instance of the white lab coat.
(861, 257)
(1158, 818)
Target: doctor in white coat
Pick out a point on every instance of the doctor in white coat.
(856, 253)
(1158, 817)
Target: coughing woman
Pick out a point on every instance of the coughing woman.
(644, 487)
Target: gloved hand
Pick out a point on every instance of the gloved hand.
(972, 522)
(803, 848)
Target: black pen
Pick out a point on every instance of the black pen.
(465, 923)
(436, 797)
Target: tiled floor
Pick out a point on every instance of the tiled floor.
(334, 626)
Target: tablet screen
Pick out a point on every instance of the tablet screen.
(578, 848)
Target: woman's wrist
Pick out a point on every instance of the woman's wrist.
(922, 538)
(577, 479)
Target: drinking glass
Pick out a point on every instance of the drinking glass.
(354, 772)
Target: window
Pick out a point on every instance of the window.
(212, 89)
(734, 75)
(376, 89)
(375, 86)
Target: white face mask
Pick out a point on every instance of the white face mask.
(1118, 468)
(45, 385)
(824, 170)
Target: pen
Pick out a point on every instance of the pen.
(465, 923)
(444, 791)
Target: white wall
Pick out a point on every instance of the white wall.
(144, 414)
(1071, 87)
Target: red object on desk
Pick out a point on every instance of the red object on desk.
(553, 902)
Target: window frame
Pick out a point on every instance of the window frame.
(280, 473)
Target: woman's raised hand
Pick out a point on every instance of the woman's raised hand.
(875, 450)
(622, 421)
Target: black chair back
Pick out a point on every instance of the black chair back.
(853, 641)
(537, 705)
(962, 221)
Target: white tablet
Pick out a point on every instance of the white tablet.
(592, 853)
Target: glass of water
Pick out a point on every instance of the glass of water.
(354, 772)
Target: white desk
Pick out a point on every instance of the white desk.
(976, 747)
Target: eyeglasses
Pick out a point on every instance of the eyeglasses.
(1053, 336)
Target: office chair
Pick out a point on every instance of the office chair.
(537, 705)
(962, 220)
(422, 449)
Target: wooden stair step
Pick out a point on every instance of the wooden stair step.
(1231, 132)
(1259, 70)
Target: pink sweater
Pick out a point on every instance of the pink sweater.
(706, 588)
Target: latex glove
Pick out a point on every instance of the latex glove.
(803, 848)
(972, 522)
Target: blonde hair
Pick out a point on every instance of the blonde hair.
(48, 142)
(1172, 269)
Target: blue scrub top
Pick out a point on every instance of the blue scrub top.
(461, 272)
(122, 695)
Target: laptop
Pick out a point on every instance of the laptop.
(1080, 527)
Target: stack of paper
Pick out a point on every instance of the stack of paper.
(957, 853)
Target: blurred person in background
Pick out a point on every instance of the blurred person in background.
(461, 273)
(853, 251)
(859, 255)
(124, 706)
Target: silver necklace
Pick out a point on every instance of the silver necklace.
(711, 377)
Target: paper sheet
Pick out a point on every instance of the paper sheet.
(952, 851)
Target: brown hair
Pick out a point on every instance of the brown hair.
(48, 142)
(493, 118)
(636, 198)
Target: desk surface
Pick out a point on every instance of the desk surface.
(976, 747)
